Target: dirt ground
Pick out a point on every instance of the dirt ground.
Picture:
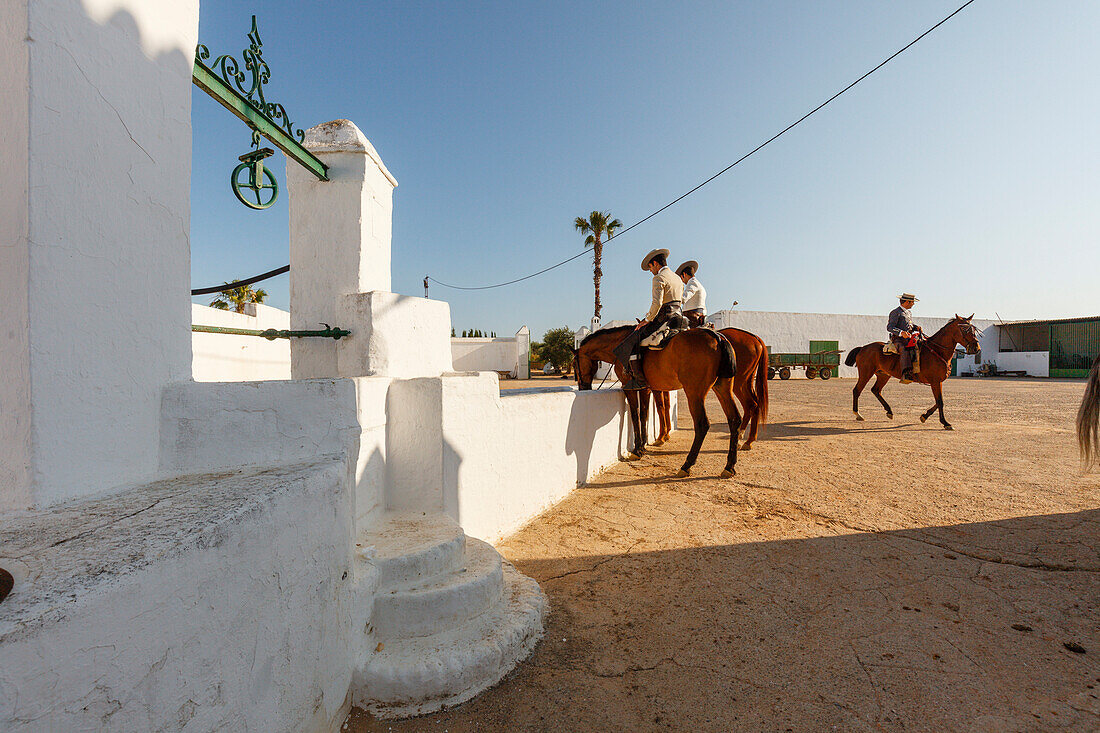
(874, 576)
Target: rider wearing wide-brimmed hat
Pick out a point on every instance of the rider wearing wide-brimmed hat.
(665, 307)
(695, 295)
(903, 332)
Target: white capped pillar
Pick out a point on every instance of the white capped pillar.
(339, 237)
(95, 177)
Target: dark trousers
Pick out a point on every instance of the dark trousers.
(905, 353)
(627, 347)
(695, 317)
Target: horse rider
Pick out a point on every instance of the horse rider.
(903, 333)
(667, 298)
(695, 295)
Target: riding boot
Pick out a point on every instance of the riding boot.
(635, 378)
(906, 357)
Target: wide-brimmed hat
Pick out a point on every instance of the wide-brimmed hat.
(690, 263)
(908, 296)
(651, 255)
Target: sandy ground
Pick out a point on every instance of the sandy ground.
(875, 576)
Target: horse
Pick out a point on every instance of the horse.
(1088, 417)
(751, 357)
(935, 364)
(697, 360)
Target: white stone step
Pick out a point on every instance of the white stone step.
(421, 609)
(413, 547)
(421, 675)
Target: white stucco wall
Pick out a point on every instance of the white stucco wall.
(507, 456)
(231, 601)
(484, 354)
(91, 217)
(219, 357)
(1035, 363)
(792, 332)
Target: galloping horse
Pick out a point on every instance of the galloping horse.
(1088, 417)
(935, 364)
(697, 360)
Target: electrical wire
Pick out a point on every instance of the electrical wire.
(759, 147)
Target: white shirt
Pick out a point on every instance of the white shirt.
(695, 296)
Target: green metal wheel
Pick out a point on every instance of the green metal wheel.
(825, 373)
(785, 373)
(811, 372)
(771, 372)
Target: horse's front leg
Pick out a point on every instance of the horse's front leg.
(642, 438)
(937, 391)
(633, 453)
(697, 406)
(661, 404)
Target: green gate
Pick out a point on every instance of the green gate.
(1073, 346)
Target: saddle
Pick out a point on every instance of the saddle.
(660, 338)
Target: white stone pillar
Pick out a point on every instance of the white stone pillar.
(523, 353)
(339, 237)
(95, 175)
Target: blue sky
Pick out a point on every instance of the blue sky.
(965, 171)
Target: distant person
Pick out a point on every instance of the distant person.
(903, 334)
(695, 295)
(666, 306)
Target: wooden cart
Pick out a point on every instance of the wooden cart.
(824, 364)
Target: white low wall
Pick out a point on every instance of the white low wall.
(510, 354)
(221, 602)
(219, 357)
(509, 456)
(786, 333)
(1035, 363)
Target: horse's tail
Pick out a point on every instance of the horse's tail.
(850, 360)
(727, 364)
(762, 386)
(1088, 417)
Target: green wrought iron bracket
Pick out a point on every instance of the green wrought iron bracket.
(271, 334)
(224, 80)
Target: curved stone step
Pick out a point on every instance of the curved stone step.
(445, 602)
(421, 675)
(413, 547)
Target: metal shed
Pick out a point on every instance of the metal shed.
(1072, 343)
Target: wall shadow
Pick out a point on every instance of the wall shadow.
(969, 627)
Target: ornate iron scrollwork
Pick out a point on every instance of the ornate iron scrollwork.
(229, 69)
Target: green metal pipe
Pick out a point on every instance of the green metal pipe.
(271, 334)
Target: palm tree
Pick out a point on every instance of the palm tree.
(237, 297)
(596, 226)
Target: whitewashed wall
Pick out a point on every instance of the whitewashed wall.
(501, 354)
(792, 332)
(219, 357)
(1035, 363)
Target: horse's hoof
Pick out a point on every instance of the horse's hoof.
(682, 473)
(948, 427)
(746, 446)
(727, 473)
(859, 418)
(631, 457)
(890, 415)
(659, 441)
(923, 418)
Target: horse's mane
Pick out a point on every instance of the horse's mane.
(605, 331)
(944, 327)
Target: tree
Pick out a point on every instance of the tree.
(596, 226)
(557, 348)
(238, 297)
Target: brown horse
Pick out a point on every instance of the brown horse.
(697, 360)
(750, 387)
(1088, 417)
(935, 364)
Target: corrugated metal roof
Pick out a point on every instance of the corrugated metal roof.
(1048, 321)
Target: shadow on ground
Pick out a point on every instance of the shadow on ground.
(983, 626)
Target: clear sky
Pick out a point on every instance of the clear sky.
(965, 171)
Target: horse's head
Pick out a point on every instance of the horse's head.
(584, 368)
(966, 333)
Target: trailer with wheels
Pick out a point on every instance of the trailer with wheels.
(823, 364)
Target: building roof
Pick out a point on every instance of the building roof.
(1049, 321)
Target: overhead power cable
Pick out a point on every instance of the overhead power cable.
(759, 147)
